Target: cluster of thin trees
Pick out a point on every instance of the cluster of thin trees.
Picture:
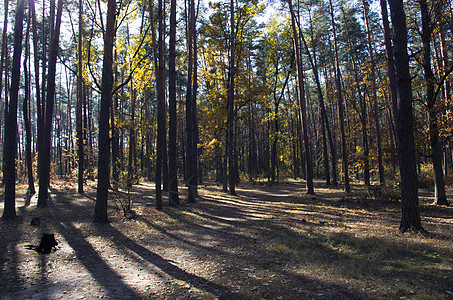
(172, 90)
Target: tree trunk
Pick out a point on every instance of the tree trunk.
(26, 104)
(231, 137)
(347, 186)
(191, 175)
(436, 149)
(195, 153)
(161, 147)
(80, 152)
(131, 168)
(100, 211)
(374, 94)
(2, 62)
(302, 104)
(404, 121)
(114, 119)
(9, 152)
(325, 118)
(173, 118)
(50, 95)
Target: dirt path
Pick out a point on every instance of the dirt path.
(266, 243)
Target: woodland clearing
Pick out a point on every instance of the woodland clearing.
(265, 243)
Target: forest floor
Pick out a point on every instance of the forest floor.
(268, 242)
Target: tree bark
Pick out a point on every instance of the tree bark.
(100, 210)
(440, 197)
(324, 116)
(161, 147)
(374, 95)
(302, 104)
(191, 161)
(26, 113)
(347, 185)
(404, 121)
(79, 128)
(50, 95)
(173, 118)
(363, 108)
(9, 152)
(2, 62)
(231, 136)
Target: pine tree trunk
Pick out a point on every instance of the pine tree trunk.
(80, 150)
(347, 186)
(44, 172)
(436, 149)
(160, 86)
(231, 136)
(195, 152)
(3, 106)
(302, 104)
(173, 118)
(374, 94)
(9, 152)
(325, 118)
(190, 130)
(26, 113)
(404, 121)
(100, 210)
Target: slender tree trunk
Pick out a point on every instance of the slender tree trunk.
(195, 152)
(231, 137)
(164, 108)
(80, 150)
(302, 104)
(191, 179)
(9, 152)
(374, 95)
(2, 62)
(100, 210)
(37, 84)
(436, 148)
(131, 173)
(173, 118)
(44, 172)
(26, 113)
(347, 185)
(114, 119)
(325, 118)
(404, 120)
(161, 144)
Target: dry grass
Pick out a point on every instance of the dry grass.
(267, 242)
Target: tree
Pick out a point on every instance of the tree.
(431, 97)
(2, 59)
(100, 210)
(26, 113)
(404, 119)
(173, 118)
(44, 178)
(374, 94)
(347, 186)
(302, 104)
(9, 152)
(161, 109)
(79, 127)
(191, 148)
(231, 144)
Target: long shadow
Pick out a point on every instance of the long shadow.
(174, 271)
(89, 257)
(10, 235)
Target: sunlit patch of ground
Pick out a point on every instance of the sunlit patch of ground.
(267, 242)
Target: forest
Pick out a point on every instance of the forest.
(238, 149)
